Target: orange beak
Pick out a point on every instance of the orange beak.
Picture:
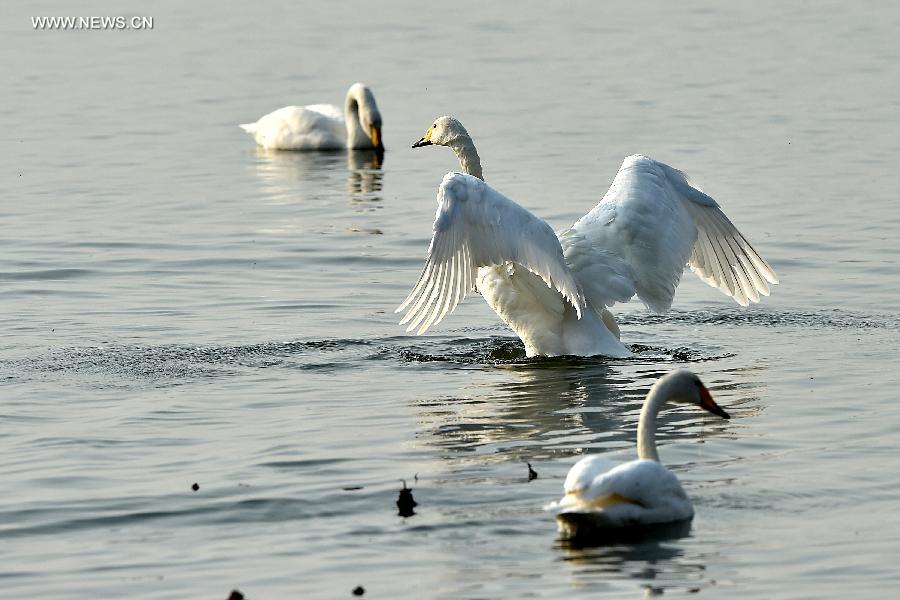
(375, 135)
(707, 402)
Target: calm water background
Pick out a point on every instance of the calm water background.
(178, 307)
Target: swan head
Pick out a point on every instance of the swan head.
(685, 387)
(445, 131)
(368, 114)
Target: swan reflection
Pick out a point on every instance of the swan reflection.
(660, 564)
(364, 176)
(537, 409)
(295, 177)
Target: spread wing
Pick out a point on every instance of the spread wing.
(651, 223)
(477, 226)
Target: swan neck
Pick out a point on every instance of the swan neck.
(465, 151)
(647, 422)
(356, 137)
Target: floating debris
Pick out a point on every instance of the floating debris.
(532, 474)
(359, 590)
(196, 486)
(352, 488)
(235, 594)
(406, 502)
(370, 231)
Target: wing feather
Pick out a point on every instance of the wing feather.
(476, 226)
(652, 222)
(738, 270)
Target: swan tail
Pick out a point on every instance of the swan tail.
(248, 127)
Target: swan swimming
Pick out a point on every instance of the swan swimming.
(322, 126)
(554, 290)
(600, 494)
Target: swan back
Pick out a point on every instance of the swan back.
(637, 492)
(313, 127)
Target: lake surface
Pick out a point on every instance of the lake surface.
(179, 307)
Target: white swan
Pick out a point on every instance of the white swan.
(600, 494)
(554, 290)
(322, 126)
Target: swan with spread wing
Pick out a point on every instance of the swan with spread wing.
(554, 290)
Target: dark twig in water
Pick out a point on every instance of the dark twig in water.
(532, 474)
(406, 502)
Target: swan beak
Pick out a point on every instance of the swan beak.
(707, 402)
(426, 139)
(375, 134)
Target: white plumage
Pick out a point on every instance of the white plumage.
(639, 492)
(475, 226)
(322, 126)
(601, 495)
(635, 242)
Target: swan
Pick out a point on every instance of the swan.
(554, 290)
(600, 494)
(322, 126)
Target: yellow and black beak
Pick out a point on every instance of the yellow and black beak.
(707, 402)
(375, 135)
(426, 139)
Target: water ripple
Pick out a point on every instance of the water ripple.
(178, 362)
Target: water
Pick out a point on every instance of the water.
(181, 308)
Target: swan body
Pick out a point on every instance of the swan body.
(322, 126)
(600, 494)
(635, 242)
(476, 226)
